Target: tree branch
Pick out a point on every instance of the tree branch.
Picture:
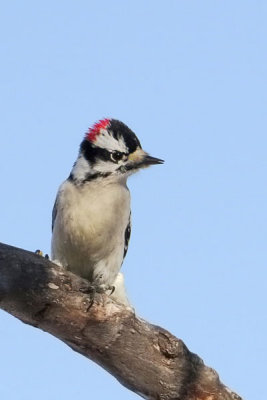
(143, 357)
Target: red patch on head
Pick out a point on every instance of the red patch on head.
(92, 132)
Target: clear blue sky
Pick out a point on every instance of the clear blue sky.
(189, 77)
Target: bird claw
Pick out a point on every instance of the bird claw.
(112, 289)
(91, 290)
(92, 299)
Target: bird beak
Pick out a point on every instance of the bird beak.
(148, 160)
(141, 159)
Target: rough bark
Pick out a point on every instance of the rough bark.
(145, 358)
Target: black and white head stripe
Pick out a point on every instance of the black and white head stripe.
(107, 136)
(120, 131)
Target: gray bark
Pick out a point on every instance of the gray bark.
(145, 358)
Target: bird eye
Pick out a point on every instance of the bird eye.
(116, 156)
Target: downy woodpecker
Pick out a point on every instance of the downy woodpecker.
(91, 221)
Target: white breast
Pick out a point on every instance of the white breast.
(88, 235)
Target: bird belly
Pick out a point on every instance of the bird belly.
(88, 236)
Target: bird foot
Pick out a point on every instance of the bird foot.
(41, 254)
(93, 289)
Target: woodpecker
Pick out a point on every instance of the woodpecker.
(91, 219)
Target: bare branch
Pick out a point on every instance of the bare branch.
(143, 357)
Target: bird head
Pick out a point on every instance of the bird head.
(110, 148)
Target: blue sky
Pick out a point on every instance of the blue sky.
(189, 77)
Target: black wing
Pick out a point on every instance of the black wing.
(54, 212)
(127, 235)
